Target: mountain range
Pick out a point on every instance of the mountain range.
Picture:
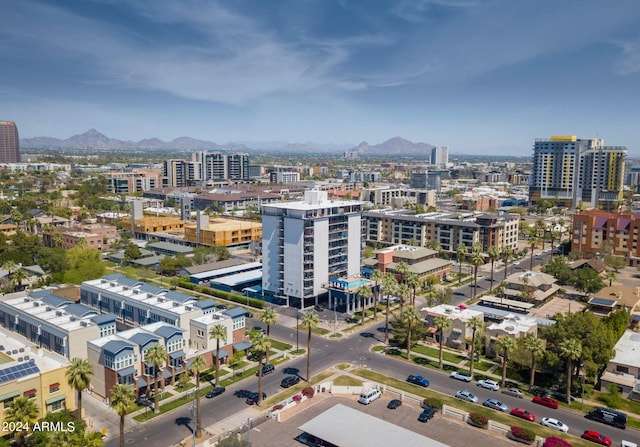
(95, 141)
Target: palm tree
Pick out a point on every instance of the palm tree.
(260, 346)
(376, 277)
(412, 318)
(156, 355)
(535, 346)
(539, 230)
(365, 293)
(505, 345)
(461, 253)
(570, 349)
(197, 365)
(22, 411)
(404, 292)
(389, 284)
(476, 260)
(79, 376)
(610, 276)
(441, 323)
(533, 243)
(269, 317)
(218, 332)
(17, 277)
(494, 255)
(309, 321)
(507, 255)
(122, 397)
(475, 323)
(402, 269)
(413, 281)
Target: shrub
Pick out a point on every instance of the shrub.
(523, 433)
(308, 392)
(432, 402)
(478, 419)
(552, 441)
(277, 407)
(297, 398)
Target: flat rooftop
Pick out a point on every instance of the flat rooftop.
(627, 350)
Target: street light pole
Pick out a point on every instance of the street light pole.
(297, 331)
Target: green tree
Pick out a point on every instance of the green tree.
(84, 264)
(475, 324)
(269, 317)
(610, 276)
(389, 285)
(218, 332)
(494, 255)
(476, 260)
(461, 253)
(197, 365)
(22, 411)
(260, 347)
(131, 253)
(507, 256)
(157, 355)
(412, 320)
(536, 350)
(402, 269)
(505, 346)
(414, 282)
(122, 398)
(617, 322)
(403, 292)
(615, 262)
(79, 376)
(588, 281)
(365, 293)
(533, 243)
(309, 321)
(376, 277)
(441, 323)
(570, 349)
(559, 269)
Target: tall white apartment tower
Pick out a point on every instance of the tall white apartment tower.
(440, 156)
(307, 243)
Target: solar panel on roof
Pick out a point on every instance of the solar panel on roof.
(18, 371)
(602, 302)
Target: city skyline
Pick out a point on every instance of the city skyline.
(473, 76)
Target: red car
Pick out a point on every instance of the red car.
(546, 401)
(524, 414)
(596, 437)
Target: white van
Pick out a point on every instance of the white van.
(368, 396)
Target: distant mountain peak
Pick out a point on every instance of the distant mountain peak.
(396, 146)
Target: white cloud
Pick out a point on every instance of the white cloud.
(629, 60)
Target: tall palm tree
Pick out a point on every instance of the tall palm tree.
(309, 321)
(79, 376)
(540, 229)
(570, 349)
(269, 317)
(22, 411)
(17, 277)
(533, 243)
(461, 253)
(494, 255)
(505, 345)
(260, 346)
(157, 355)
(365, 293)
(402, 269)
(197, 365)
(218, 332)
(122, 397)
(376, 277)
(389, 285)
(536, 349)
(411, 318)
(475, 323)
(610, 276)
(476, 260)
(506, 255)
(404, 292)
(414, 282)
(441, 323)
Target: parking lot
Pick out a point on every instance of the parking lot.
(440, 428)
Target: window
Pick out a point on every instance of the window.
(54, 387)
(622, 369)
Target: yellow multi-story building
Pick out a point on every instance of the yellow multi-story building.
(220, 231)
(151, 224)
(29, 371)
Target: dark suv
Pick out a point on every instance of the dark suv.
(426, 414)
(289, 381)
(266, 369)
(215, 392)
(252, 398)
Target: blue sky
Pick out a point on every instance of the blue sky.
(478, 76)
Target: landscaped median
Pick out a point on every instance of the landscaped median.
(492, 415)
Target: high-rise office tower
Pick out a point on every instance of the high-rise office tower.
(9, 143)
(571, 171)
(440, 156)
(307, 243)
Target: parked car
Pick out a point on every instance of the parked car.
(597, 437)
(259, 329)
(215, 392)
(267, 369)
(393, 404)
(546, 401)
(466, 395)
(488, 384)
(515, 392)
(318, 307)
(555, 424)
(524, 414)
(496, 405)
(418, 380)
(464, 376)
(252, 398)
(427, 414)
(289, 381)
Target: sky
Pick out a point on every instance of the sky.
(478, 76)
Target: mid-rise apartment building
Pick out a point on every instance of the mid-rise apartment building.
(600, 232)
(134, 180)
(218, 166)
(309, 242)
(571, 171)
